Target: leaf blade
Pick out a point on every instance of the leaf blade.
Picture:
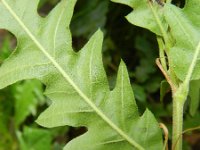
(77, 87)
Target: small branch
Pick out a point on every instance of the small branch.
(165, 75)
(177, 127)
(187, 130)
(191, 129)
(166, 135)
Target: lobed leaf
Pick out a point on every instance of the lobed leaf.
(75, 81)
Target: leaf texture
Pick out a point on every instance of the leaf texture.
(75, 81)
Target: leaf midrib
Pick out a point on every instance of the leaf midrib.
(70, 81)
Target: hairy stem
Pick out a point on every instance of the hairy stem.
(179, 98)
(177, 125)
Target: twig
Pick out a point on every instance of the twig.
(166, 135)
(187, 130)
(165, 75)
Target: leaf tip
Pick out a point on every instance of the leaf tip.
(99, 33)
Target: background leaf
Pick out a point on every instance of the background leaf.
(34, 139)
(27, 96)
(142, 14)
(194, 95)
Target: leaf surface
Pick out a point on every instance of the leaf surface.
(75, 81)
(185, 29)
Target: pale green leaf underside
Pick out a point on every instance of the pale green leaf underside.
(75, 82)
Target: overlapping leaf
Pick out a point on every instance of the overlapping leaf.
(75, 82)
(185, 28)
(143, 14)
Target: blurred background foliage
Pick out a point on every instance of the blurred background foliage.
(21, 103)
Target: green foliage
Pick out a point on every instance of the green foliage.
(18, 102)
(178, 37)
(27, 96)
(75, 82)
(184, 27)
(142, 15)
(36, 139)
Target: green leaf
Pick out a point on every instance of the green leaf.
(26, 99)
(194, 94)
(145, 14)
(184, 55)
(185, 29)
(75, 81)
(34, 139)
